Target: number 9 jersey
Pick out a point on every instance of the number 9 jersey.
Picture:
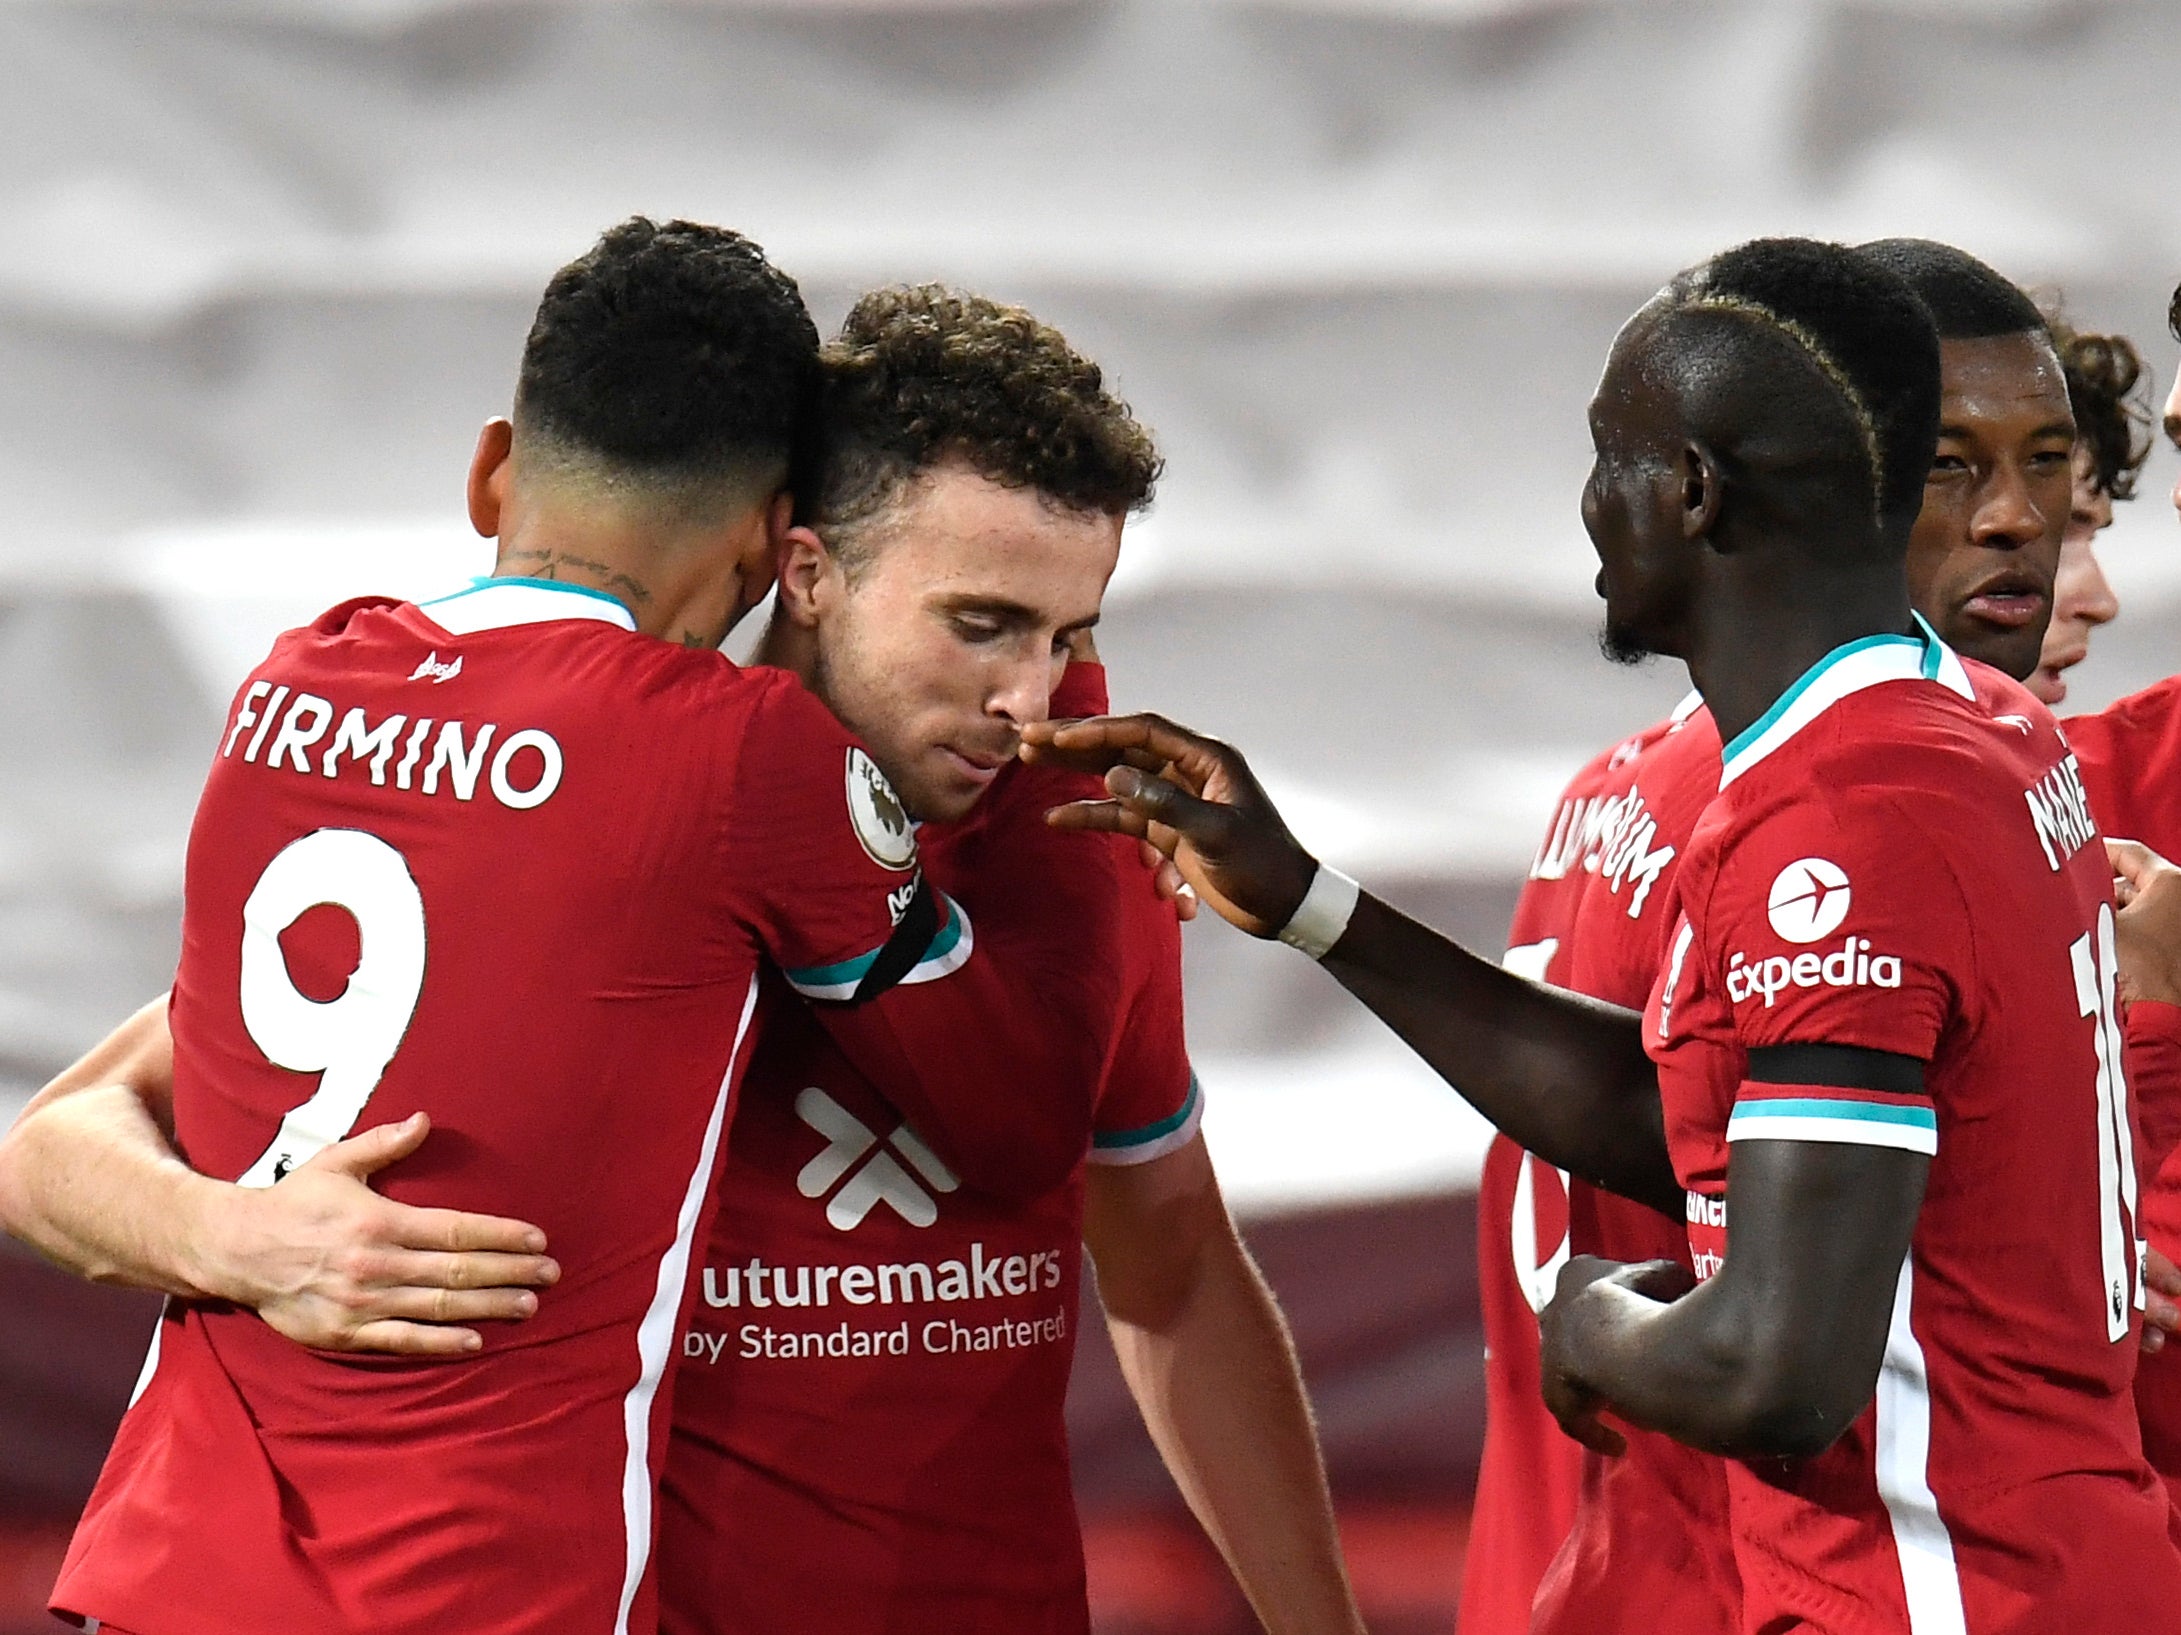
(502, 859)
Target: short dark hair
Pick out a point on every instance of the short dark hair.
(675, 354)
(2109, 392)
(921, 375)
(1850, 361)
(1967, 299)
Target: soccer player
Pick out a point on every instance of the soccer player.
(511, 858)
(2131, 769)
(2104, 374)
(1884, 1033)
(957, 435)
(1641, 1541)
(869, 1430)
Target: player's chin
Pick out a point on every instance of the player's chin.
(1622, 642)
(2011, 649)
(2049, 686)
(946, 791)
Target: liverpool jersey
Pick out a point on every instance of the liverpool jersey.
(868, 1428)
(1901, 859)
(503, 859)
(1638, 1542)
(2131, 766)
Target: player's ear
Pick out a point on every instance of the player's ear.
(1702, 491)
(758, 552)
(805, 566)
(489, 476)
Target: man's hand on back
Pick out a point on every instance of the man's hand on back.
(89, 1176)
(330, 1263)
(1195, 800)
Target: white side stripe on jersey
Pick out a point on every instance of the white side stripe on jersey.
(1929, 1576)
(655, 1337)
(151, 1355)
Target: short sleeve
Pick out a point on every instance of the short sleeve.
(1151, 1103)
(1833, 922)
(826, 856)
(998, 1066)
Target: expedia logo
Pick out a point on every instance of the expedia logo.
(1809, 900)
(876, 812)
(1851, 965)
(874, 1174)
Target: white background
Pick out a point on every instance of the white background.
(265, 265)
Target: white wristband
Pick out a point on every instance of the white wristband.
(1323, 914)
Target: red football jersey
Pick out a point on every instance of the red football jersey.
(501, 858)
(2131, 765)
(1639, 1542)
(1901, 859)
(868, 1430)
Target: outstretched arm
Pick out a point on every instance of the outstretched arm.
(89, 1176)
(1564, 1076)
(1211, 1366)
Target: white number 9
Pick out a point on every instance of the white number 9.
(348, 1040)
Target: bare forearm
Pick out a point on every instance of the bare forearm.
(1564, 1076)
(89, 1180)
(89, 1176)
(1220, 1391)
(1778, 1352)
(1685, 1369)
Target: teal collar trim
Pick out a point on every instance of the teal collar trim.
(496, 603)
(1935, 651)
(1847, 669)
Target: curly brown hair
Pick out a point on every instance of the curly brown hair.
(2110, 394)
(921, 375)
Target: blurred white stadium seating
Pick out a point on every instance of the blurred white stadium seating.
(264, 265)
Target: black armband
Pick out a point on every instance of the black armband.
(1849, 1067)
(912, 937)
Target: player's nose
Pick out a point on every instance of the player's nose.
(2007, 514)
(1023, 691)
(2094, 600)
